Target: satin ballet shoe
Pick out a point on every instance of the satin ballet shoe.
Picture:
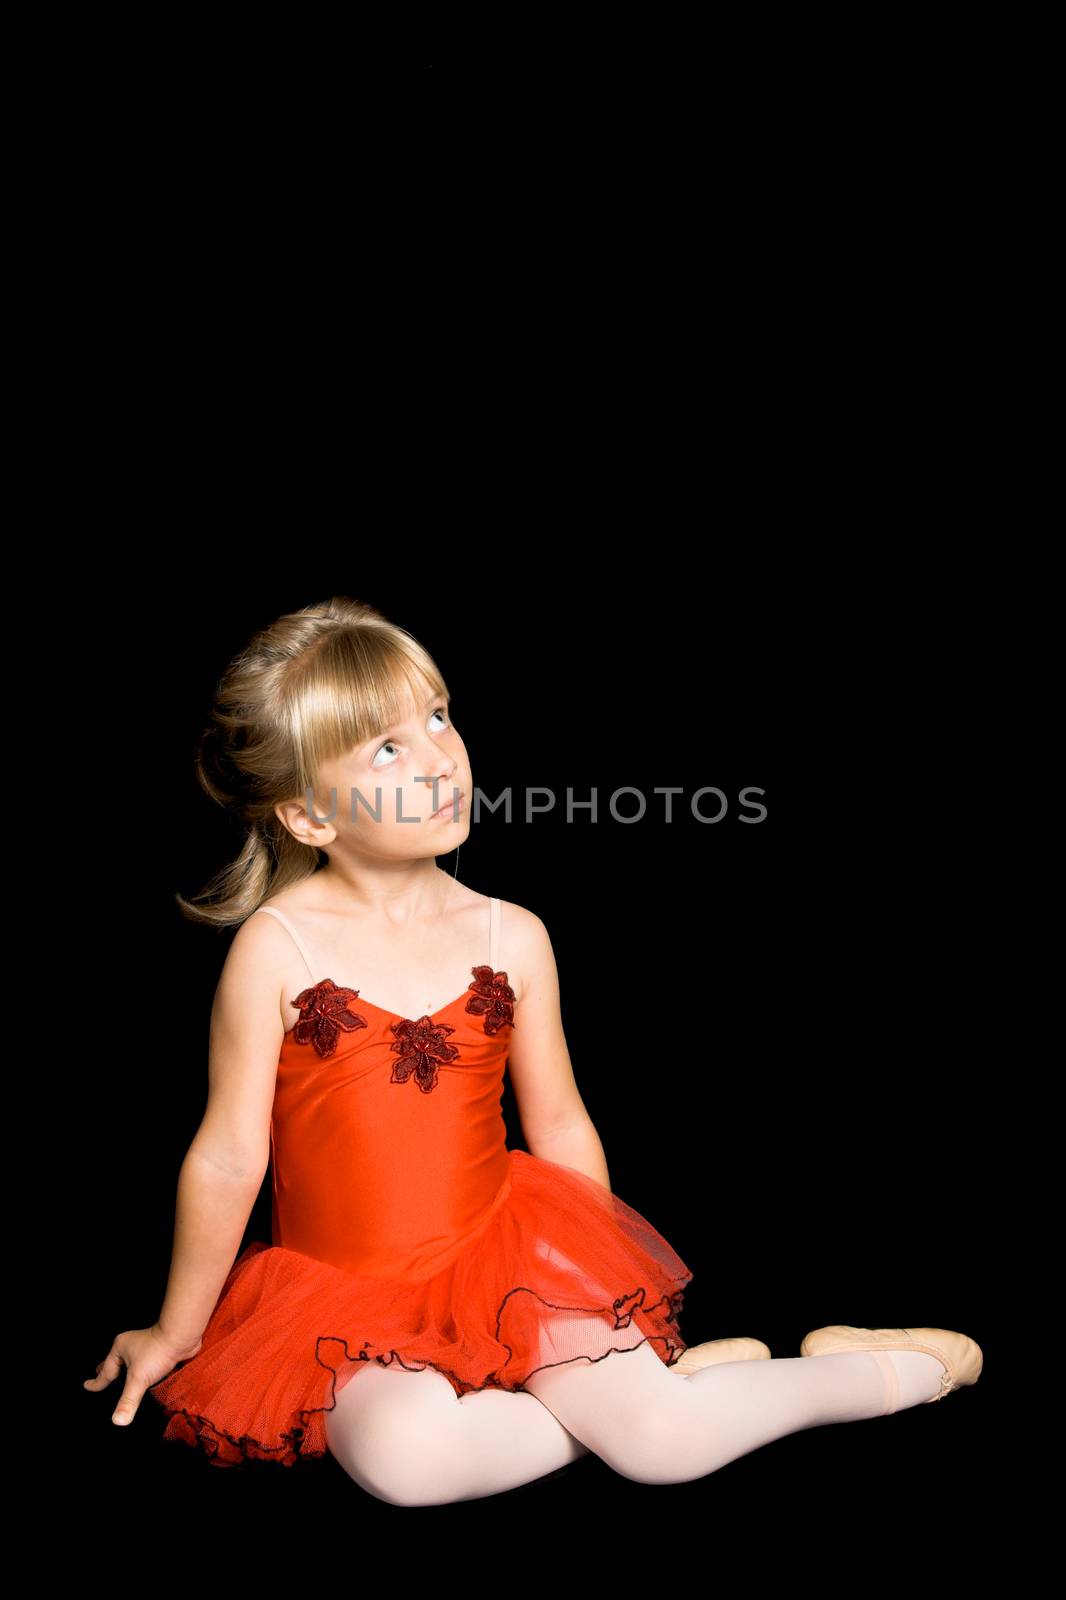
(960, 1356)
(715, 1351)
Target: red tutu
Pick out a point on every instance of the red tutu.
(404, 1231)
(561, 1269)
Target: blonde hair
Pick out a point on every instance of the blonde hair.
(303, 690)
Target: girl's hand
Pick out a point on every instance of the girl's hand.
(147, 1355)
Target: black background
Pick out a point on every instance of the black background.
(678, 427)
(775, 1025)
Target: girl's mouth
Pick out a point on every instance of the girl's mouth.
(452, 809)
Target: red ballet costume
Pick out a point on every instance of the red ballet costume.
(405, 1231)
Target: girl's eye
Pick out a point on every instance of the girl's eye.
(438, 711)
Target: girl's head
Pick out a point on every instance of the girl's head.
(336, 702)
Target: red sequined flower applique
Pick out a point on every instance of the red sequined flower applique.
(493, 998)
(421, 1046)
(324, 1015)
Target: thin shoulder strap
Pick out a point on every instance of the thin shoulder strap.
(494, 933)
(297, 941)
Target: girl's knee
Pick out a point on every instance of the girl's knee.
(645, 1447)
(634, 1418)
(408, 1467)
(399, 1438)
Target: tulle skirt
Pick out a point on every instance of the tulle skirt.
(560, 1270)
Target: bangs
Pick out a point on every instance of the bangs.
(351, 688)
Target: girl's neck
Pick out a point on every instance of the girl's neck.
(392, 901)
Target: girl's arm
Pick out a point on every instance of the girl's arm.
(212, 1211)
(555, 1123)
(228, 1158)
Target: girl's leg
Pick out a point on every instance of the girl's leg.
(655, 1427)
(408, 1438)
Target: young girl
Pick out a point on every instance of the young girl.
(447, 1317)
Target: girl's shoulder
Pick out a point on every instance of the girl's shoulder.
(518, 920)
(525, 945)
(300, 896)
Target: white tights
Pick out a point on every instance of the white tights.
(407, 1437)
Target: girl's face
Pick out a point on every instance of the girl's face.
(403, 776)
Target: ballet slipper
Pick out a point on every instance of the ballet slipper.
(961, 1356)
(718, 1350)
